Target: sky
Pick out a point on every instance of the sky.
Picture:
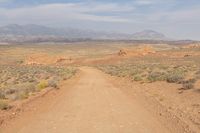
(178, 19)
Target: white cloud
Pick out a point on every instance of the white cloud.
(65, 12)
(99, 12)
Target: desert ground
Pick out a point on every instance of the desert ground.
(100, 87)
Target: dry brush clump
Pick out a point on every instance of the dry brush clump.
(152, 73)
(175, 77)
(4, 105)
(19, 82)
(188, 84)
(156, 76)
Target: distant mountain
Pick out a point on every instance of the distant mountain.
(26, 30)
(149, 35)
(38, 33)
(43, 31)
(35, 30)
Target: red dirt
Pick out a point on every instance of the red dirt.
(91, 103)
(45, 59)
(137, 51)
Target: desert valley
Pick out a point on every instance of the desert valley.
(116, 86)
(99, 66)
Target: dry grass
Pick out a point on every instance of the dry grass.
(19, 82)
(154, 68)
(4, 105)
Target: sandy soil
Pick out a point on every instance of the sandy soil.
(90, 103)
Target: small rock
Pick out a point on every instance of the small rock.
(13, 113)
(180, 92)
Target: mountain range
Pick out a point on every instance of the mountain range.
(38, 33)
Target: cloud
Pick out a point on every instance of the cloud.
(4, 1)
(172, 15)
(155, 2)
(65, 12)
(109, 7)
(145, 2)
(182, 16)
(99, 12)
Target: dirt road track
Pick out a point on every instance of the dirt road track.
(91, 105)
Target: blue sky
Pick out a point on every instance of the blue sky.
(176, 18)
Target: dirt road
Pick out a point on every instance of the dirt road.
(91, 105)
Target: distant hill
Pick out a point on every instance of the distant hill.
(38, 33)
(149, 35)
(34, 30)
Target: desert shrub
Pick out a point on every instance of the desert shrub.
(112, 70)
(151, 72)
(2, 94)
(20, 61)
(175, 77)
(32, 80)
(10, 90)
(137, 78)
(18, 82)
(29, 87)
(4, 105)
(19, 91)
(53, 83)
(189, 81)
(17, 96)
(122, 70)
(188, 85)
(123, 73)
(22, 95)
(135, 71)
(156, 76)
(42, 84)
